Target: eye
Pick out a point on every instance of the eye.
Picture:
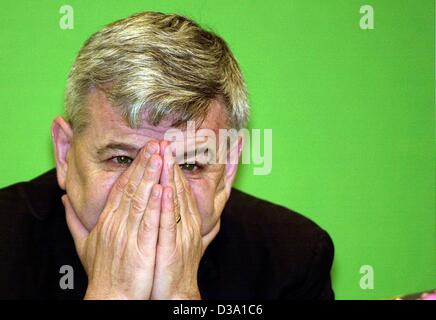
(122, 160)
(190, 167)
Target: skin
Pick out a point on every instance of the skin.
(122, 203)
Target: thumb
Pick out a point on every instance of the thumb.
(78, 231)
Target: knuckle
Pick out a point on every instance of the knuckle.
(170, 227)
(130, 190)
(137, 203)
(153, 206)
(176, 206)
(150, 175)
(180, 188)
(147, 226)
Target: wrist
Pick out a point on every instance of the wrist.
(93, 293)
(191, 295)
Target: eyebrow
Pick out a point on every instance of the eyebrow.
(124, 146)
(189, 154)
(115, 145)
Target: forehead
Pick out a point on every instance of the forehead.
(106, 124)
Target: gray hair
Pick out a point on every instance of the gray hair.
(162, 65)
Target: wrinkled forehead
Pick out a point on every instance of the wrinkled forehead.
(106, 125)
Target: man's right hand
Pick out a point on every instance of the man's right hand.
(119, 252)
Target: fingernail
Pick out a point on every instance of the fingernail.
(154, 163)
(151, 148)
(147, 154)
(170, 194)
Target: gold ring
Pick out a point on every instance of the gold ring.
(179, 217)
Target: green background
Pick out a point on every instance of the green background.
(352, 113)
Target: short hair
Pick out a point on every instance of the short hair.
(163, 66)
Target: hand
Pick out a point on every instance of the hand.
(119, 252)
(180, 245)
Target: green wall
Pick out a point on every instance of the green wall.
(352, 113)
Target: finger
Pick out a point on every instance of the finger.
(139, 201)
(182, 196)
(168, 180)
(162, 146)
(123, 180)
(167, 226)
(149, 225)
(192, 201)
(165, 150)
(77, 229)
(129, 193)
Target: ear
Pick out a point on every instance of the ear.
(62, 137)
(232, 165)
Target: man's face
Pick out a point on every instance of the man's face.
(95, 158)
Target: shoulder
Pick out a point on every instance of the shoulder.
(24, 232)
(272, 222)
(297, 250)
(30, 200)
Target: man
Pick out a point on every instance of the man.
(124, 213)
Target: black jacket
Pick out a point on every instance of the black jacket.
(262, 251)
